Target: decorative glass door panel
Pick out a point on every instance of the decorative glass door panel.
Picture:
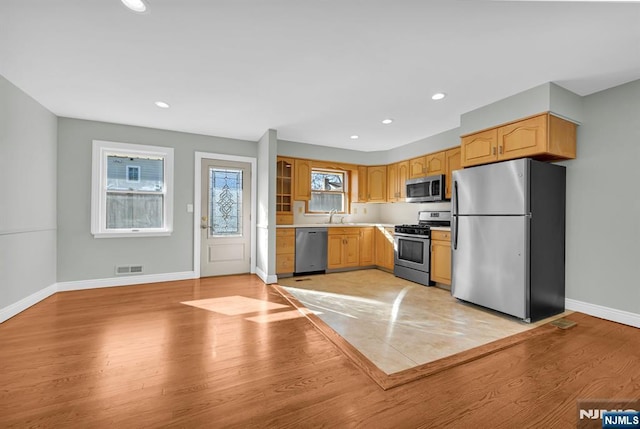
(225, 202)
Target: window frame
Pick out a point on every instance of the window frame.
(101, 151)
(344, 192)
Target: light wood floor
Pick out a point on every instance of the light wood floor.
(137, 357)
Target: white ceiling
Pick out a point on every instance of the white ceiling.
(316, 71)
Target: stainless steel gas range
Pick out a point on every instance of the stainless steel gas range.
(412, 254)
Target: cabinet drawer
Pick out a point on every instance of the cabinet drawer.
(285, 263)
(284, 219)
(285, 232)
(344, 231)
(441, 235)
(285, 245)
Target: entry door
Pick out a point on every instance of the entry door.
(225, 218)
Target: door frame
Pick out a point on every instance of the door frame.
(197, 204)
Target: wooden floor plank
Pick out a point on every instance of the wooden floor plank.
(136, 357)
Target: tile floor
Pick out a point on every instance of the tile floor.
(395, 323)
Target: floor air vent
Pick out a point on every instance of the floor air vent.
(128, 269)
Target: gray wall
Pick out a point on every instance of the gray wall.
(326, 153)
(430, 144)
(28, 134)
(542, 98)
(420, 147)
(603, 202)
(82, 257)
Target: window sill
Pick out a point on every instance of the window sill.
(132, 234)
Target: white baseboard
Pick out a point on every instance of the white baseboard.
(620, 316)
(266, 278)
(125, 281)
(17, 307)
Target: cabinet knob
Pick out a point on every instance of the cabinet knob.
(501, 150)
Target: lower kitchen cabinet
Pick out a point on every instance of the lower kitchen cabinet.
(384, 248)
(441, 257)
(285, 250)
(343, 247)
(367, 249)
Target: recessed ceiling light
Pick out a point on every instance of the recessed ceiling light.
(438, 96)
(138, 6)
(387, 121)
(355, 137)
(162, 104)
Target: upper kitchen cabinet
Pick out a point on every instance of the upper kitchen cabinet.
(362, 183)
(302, 188)
(545, 137)
(435, 163)
(479, 148)
(418, 167)
(452, 163)
(392, 183)
(284, 190)
(403, 176)
(377, 183)
(397, 175)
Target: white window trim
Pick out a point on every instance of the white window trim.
(98, 188)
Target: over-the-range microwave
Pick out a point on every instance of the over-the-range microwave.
(425, 189)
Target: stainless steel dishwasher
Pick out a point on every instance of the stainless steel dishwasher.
(311, 250)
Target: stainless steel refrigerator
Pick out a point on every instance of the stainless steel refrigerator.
(508, 237)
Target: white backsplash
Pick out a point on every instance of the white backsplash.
(360, 212)
(407, 213)
(389, 213)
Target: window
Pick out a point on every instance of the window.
(132, 190)
(133, 173)
(328, 191)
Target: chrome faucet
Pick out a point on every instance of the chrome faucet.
(331, 213)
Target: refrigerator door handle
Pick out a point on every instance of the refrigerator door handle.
(455, 215)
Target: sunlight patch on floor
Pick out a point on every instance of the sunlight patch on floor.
(234, 305)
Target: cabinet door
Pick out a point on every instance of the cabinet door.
(392, 182)
(384, 248)
(334, 251)
(479, 148)
(351, 250)
(389, 249)
(418, 167)
(435, 164)
(403, 175)
(366, 247)
(302, 185)
(377, 184)
(441, 262)
(362, 184)
(453, 163)
(522, 139)
(285, 263)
